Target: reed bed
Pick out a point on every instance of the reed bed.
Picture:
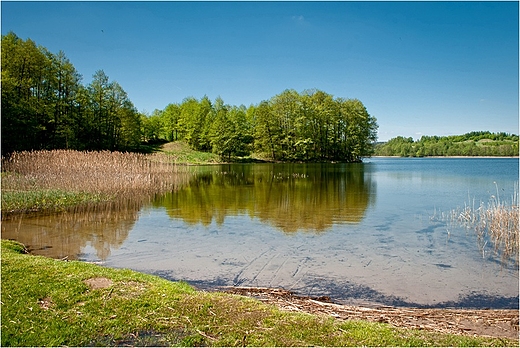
(495, 222)
(97, 175)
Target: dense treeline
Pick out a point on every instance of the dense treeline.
(470, 144)
(291, 126)
(45, 106)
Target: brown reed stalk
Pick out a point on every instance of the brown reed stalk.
(496, 221)
(112, 173)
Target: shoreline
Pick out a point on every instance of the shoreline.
(43, 295)
(497, 323)
(490, 157)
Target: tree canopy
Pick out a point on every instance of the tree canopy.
(45, 106)
(291, 126)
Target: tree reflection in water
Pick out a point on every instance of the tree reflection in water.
(65, 234)
(291, 197)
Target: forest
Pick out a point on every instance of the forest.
(481, 143)
(45, 106)
(291, 126)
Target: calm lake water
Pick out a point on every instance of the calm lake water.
(359, 233)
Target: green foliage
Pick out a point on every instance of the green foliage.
(44, 105)
(469, 144)
(48, 302)
(151, 126)
(115, 119)
(55, 200)
(170, 118)
(230, 132)
(312, 126)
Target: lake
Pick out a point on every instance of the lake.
(363, 233)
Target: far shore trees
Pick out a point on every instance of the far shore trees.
(481, 143)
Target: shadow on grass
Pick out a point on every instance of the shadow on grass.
(150, 339)
(151, 146)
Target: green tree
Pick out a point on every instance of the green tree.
(241, 137)
(205, 120)
(99, 96)
(314, 126)
(114, 123)
(127, 121)
(44, 104)
(481, 143)
(285, 109)
(151, 126)
(192, 122)
(25, 69)
(222, 130)
(64, 92)
(267, 132)
(171, 116)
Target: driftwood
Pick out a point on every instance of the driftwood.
(501, 323)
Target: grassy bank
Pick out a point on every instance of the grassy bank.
(48, 302)
(181, 153)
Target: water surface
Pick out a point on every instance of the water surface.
(360, 233)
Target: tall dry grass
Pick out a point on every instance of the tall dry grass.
(496, 224)
(99, 172)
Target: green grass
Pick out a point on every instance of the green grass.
(55, 200)
(182, 154)
(47, 302)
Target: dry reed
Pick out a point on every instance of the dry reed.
(111, 174)
(495, 222)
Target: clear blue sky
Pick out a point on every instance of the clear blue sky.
(421, 68)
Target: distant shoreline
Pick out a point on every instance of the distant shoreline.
(445, 157)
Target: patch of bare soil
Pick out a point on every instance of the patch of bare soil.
(45, 303)
(98, 283)
(501, 323)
